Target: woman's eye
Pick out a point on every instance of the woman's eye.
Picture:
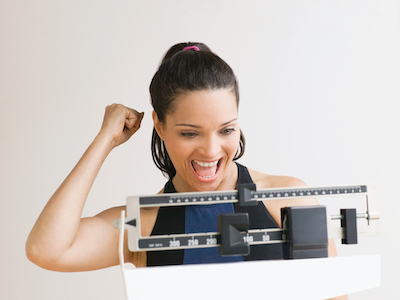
(188, 134)
(227, 131)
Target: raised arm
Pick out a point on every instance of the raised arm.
(62, 241)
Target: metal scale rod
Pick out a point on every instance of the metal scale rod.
(196, 198)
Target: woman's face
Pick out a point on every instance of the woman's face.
(202, 137)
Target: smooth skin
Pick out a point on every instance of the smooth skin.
(203, 127)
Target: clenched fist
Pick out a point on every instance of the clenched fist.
(121, 122)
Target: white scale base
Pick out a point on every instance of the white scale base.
(318, 278)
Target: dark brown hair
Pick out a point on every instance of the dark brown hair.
(181, 72)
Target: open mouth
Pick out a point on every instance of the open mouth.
(206, 171)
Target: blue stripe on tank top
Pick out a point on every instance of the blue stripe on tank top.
(204, 218)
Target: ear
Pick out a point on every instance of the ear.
(158, 126)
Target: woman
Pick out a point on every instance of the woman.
(196, 139)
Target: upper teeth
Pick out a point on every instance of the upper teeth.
(206, 164)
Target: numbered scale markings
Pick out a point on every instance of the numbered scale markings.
(210, 239)
(220, 197)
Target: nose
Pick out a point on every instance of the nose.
(210, 146)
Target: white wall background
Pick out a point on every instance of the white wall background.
(320, 90)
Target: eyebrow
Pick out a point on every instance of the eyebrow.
(197, 126)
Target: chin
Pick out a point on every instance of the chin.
(205, 187)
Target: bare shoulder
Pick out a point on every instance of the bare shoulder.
(264, 181)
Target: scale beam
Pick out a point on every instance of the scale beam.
(245, 195)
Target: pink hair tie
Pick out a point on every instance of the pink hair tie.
(191, 48)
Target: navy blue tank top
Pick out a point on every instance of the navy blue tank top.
(203, 218)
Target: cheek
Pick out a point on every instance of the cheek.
(177, 149)
(233, 144)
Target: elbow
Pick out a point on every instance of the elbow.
(39, 256)
(34, 254)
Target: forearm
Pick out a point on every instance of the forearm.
(57, 226)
